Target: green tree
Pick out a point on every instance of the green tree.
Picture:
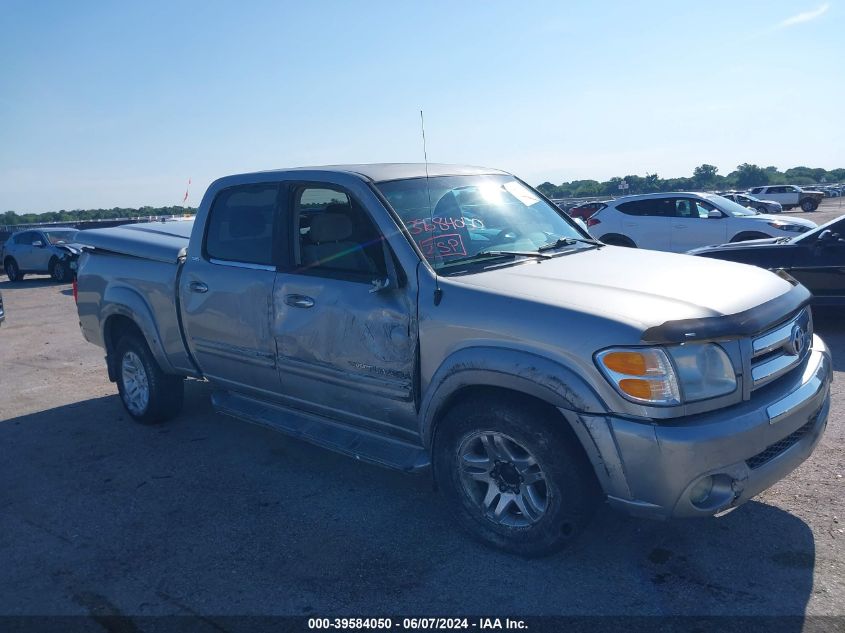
(704, 176)
(748, 175)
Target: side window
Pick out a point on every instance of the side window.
(757, 190)
(656, 207)
(335, 237)
(240, 224)
(703, 208)
(26, 238)
(685, 208)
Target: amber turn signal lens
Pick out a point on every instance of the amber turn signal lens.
(628, 363)
(637, 388)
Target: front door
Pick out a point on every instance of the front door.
(692, 227)
(346, 344)
(226, 291)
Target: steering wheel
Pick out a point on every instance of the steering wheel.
(505, 235)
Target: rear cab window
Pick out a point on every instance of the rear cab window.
(240, 225)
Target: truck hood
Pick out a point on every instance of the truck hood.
(644, 289)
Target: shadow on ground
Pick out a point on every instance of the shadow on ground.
(215, 516)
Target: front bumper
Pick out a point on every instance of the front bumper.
(652, 470)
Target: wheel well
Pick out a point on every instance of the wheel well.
(484, 393)
(617, 240)
(116, 328)
(749, 235)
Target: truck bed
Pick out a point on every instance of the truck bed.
(136, 265)
(159, 241)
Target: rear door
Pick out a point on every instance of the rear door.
(23, 252)
(692, 227)
(226, 292)
(346, 348)
(648, 222)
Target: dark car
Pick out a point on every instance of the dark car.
(815, 258)
(586, 209)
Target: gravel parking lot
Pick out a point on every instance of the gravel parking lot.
(211, 515)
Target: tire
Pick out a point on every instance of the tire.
(809, 205)
(59, 270)
(148, 394)
(13, 272)
(618, 240)
(748, 235)
(490, 497)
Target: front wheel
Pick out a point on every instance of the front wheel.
(59, 271)
(808, 205)
(514, 477)
(148, 394)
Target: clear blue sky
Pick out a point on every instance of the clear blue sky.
(109, 103)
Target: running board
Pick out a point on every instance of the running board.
(357, 443)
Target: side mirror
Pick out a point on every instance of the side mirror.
(38, 244)
(380, 285)
(714, 214)
(582, 224)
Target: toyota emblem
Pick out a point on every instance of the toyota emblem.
(796, 339)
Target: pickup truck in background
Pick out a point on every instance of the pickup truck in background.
(453, 318)
(790, 196)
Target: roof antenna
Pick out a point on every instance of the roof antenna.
(438, 292)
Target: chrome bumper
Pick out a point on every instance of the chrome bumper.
(744, 449)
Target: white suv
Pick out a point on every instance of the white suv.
(790, 196)
(682, 221)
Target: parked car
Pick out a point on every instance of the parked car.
(763, 206)
(815, 258)
(41, 251)
(461, 322)
(790, 196)
(682, 221)
(586, 209)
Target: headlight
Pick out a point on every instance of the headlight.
(780, 226)
(668, 376)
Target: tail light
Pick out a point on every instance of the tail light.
(592, 221)
(75, 291)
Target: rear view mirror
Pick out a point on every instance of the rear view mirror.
(714, 214)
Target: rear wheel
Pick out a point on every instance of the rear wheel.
(13, 272)
(809, 205)
(148, 394)
(514, 478)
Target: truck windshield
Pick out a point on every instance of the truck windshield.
(460, 218)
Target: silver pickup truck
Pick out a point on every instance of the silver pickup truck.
(452, 318)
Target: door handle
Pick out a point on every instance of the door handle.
(678, 226)
(197, 286)
(299, 301)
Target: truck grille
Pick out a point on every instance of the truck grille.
(780, 446)
(781, 349)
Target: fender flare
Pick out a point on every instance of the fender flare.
(124, 301)
(516, 370)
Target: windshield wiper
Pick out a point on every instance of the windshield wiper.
(495, 253)
(568, 241)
